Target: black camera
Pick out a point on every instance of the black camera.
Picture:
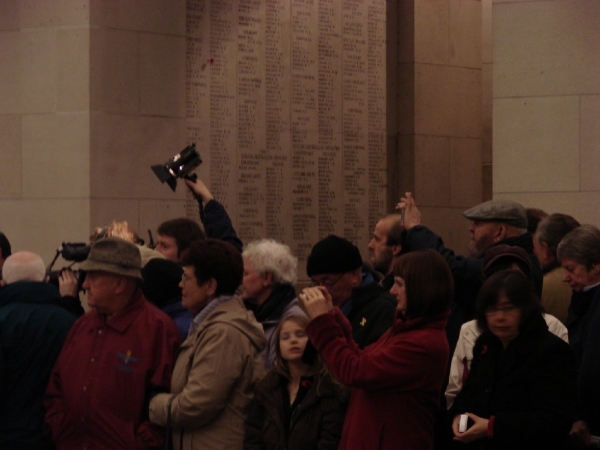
(75, 252)
(179, 166)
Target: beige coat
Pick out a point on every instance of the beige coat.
(556, 294)
(213, 380)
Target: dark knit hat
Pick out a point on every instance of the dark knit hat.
(114, 255)
(499, 210)
(505, 253)
(161, 281)
(333, 254)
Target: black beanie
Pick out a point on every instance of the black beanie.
(333, 255)
(161, 281)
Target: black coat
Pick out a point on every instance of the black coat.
(529, 388)
(371, 315)
(317, 424)
(584, 330)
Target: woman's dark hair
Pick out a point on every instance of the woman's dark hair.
(428, 282)
(212, 258)
(516, 288)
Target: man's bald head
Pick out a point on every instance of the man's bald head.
(23, 266)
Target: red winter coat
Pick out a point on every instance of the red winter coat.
(397, 380)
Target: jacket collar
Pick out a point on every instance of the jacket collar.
(29, 292)
(402, 324)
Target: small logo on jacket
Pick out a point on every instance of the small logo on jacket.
(127, 361)
(363, 322)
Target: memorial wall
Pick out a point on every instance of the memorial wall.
(286, 101)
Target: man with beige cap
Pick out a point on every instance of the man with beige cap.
(114, 359)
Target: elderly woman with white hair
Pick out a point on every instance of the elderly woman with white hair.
(268, 287)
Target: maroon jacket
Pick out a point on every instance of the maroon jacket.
(96, 393)
(397, 380)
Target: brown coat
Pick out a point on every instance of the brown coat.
(213, 380)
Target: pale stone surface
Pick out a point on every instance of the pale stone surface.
(9, 15)
(38, 60)
(114, 71)
(590, 142)
(122, 150)
(162, 79)
(465, 172)
(432, 170)
(154, 212)
(465, 32)
(158, 16)
(546, 48)
(10, 72)
(447, 101)
(73, 72)
(487, 38)
(580, 205)
(10, 156)
(536, 144)
(450, 225)
(55, 156)
(432, 32)
(42, 225)
(57, 13)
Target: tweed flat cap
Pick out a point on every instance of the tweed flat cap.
(511, 213)
(114, 255)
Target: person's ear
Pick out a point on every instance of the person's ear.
(2, 283)
(47, 278)
(267, 279)
(396, 249)
(212, 287)
(500, 233)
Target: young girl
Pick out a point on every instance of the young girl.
(297, 405)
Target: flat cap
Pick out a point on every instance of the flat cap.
(116, 256)
(499, 210)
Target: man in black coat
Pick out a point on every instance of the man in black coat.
(335, 263)
(33, 327)
(493, 222)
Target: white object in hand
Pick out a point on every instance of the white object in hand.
(462, 425)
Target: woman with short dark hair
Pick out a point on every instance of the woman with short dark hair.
(220, 361)
(397, 380)
(520, 392)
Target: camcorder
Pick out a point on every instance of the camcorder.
(74, 252)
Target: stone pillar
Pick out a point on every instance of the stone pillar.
(439, 73)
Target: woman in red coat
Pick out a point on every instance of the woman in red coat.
(397, 380)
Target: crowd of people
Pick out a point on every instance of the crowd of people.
(203, 343)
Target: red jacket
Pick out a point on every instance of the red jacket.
(397, 380)
(95, 397)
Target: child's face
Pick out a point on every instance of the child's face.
(292, 341)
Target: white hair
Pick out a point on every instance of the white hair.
(269, 256)
(23, 266)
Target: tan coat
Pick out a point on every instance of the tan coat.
(556, 294)
(213, 380)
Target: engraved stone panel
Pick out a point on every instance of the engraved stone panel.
(286, 101)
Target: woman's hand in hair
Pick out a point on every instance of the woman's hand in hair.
(316, 301)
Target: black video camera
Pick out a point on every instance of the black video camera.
(75, 252)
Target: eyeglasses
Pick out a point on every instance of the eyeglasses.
(507, 311)
(327, 283)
